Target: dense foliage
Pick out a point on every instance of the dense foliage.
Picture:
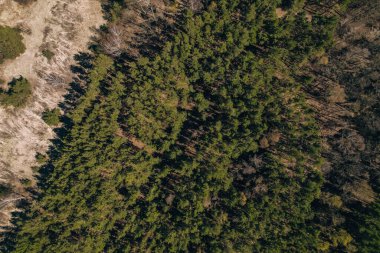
(51, 117)
(206, 145)
(11, 44)
(17, 94)
(368, 224)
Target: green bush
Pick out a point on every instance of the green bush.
(18, 93)
(48, 54)
(51, 117)
(11, 44)
(41, 158)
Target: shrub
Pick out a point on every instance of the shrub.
(51, 117)
(11, 44)
(48, 54)
(41, 158)
(18, 93)
(24, 2)
(26, 182)
(5, 190)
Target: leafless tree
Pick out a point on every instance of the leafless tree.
(113, 43)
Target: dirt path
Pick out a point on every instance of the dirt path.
(63, 27)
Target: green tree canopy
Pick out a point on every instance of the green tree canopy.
(51, 117)
(166, 153)
(11, 44)
(18, 93)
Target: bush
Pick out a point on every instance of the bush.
(26, 182)
(48, 54)
(11, 44)
(5, 190)
(51, 117)
(18, 93)
(41, 158)
(24, 2)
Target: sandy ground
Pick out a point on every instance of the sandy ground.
(64, 27)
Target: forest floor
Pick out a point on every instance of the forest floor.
(60, 29)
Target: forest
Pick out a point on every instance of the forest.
(200, 126)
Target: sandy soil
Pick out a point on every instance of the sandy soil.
(64, 27)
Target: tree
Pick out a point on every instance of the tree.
(11, 44)
(51, 117)
(162, 153)
(368, 224)
(18, 93)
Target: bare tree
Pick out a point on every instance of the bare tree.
(113, 42)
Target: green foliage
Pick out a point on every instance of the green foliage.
(19, 90)
(26, 182)
(162, 154)
(41, 158)
(341, 238)
(115, 11)
(48, 54)
(101, 65)
(51, 117)
(11, 44)
(369, 229)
